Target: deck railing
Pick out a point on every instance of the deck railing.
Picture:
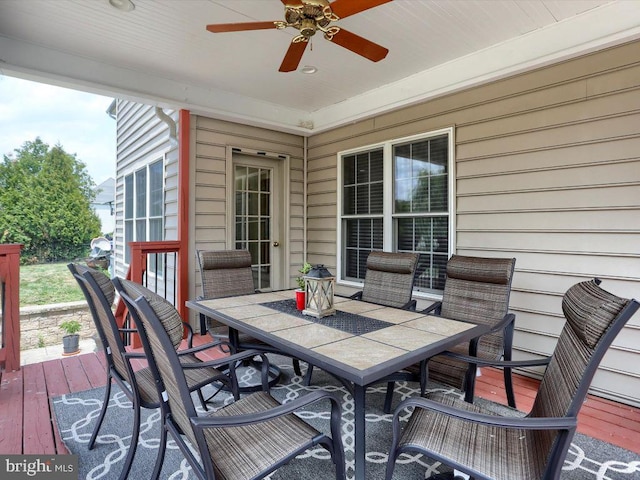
(10, 306)
(159, 267)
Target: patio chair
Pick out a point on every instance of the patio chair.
(227, 273)
(139, 385)
(247, 439)
(475, 441)
(388, 281)
(476, 290)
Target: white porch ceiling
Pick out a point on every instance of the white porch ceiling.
(160, 53)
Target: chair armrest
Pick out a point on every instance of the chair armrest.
(283, 409)
(498, 363)
(528, 423)
(356, 296)
(410, 305)
(205, 346)
(134, 355)
(433, 308)
(189, 330)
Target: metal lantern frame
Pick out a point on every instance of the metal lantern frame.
(319, 289)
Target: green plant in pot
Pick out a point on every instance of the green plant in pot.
(71, 339)
(300, 292)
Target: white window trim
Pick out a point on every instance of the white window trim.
(387, 195)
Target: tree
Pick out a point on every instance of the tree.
(45, 203)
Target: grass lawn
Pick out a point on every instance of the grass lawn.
(47, 283)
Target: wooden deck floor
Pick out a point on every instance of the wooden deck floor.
(27, 426)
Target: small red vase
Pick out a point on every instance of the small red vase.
(300, 298)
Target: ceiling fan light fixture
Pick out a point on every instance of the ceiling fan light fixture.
(308, 70)
(123, 5)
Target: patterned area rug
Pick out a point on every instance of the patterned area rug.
(76, 415)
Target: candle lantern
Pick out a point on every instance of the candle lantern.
(319, 287)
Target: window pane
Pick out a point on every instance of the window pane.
(128, 196)
(155, 189)
(253, 178)
(362, 168)
(421, 176)
(362, 199)
(265, 199)
(376, 166)
(141, 193)
(349, 170)
(376, 200)
(265, 181)
(155, 229)
(128, 237)
(141, 231)
(349, 200)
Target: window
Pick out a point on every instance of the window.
(396, 197)
(143, 205)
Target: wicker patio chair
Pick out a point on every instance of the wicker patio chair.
(476, 290)
(485, 446)
(247, 439)
(227, 273)
(388, 281)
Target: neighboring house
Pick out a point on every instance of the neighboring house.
(543, 166)
(103, 205)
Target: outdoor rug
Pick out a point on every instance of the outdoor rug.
(76, 415)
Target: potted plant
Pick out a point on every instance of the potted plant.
(300, 292)
(71, 339)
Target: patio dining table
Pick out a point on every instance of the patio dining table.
(361, 344)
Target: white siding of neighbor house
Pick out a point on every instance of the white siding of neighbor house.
(142, 138)
(208, 191)
(548, 172)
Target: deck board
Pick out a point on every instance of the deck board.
(31, 390)
(38, 432)
(11, 413)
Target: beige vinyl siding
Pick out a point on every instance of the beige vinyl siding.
(547, 171)
(208, 191)
(142, 138)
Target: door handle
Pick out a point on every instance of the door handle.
(276, 244)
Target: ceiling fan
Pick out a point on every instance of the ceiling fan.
(310, 16)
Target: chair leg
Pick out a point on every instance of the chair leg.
(203, 324)
(296, 367)
(202, 400)
(161, 450)
(134, 441)
(307, 376)
(103, 411)
(424, 375)
(388, 398)
(508, 385)
(470, 383)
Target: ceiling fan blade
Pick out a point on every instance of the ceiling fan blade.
(345, 8)
(292, 57)
(238, 27)
(359, 45)
(293, 3)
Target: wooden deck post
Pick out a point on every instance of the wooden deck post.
(10, 307)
